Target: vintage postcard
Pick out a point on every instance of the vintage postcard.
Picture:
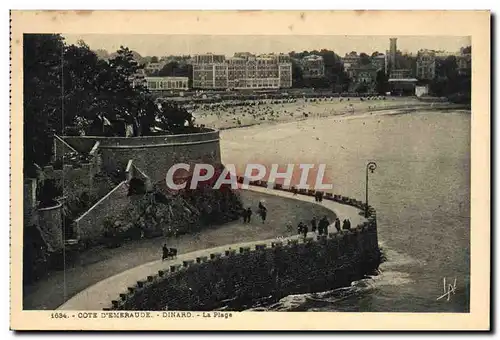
(253, 170)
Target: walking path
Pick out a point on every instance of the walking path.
(99, 296)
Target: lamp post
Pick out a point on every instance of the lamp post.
(370, 166)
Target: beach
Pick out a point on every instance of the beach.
(225, 115)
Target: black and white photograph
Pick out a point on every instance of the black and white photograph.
(198, 176)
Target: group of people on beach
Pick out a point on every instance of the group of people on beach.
(247, 213)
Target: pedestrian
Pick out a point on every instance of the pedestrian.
(249, 214)
(165, 252)
(348, 224)
(323, 225)
(244, 213)
(337, 224)
(320, 196)
(344, 225)
(300, 228)
(263, 214)
(262, 211)
(313, 224)
(305, 231)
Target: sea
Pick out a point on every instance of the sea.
(420, 189)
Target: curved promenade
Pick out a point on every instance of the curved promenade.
(100, 295)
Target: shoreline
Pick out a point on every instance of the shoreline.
(397, 108)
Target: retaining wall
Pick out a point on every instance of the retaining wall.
(89, 227)
(50, 223)
(69, 174)
(277, 269)
(152, 154)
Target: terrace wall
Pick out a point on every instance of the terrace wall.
(152, 154)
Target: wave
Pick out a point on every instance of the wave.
(341, 298)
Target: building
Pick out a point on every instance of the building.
(379, 62)
(209, 71)
(285, 75)
(364, 78)
(464, 64)
(403, 86)
(312, 66)
(426, 65)
(421, 91)
(243, 71)
(350, 61)
(393, 49)
(403, 73)
(167, 83)
(208, 58)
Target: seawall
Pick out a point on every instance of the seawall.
(236, 276)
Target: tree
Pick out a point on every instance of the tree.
(69, 89)
(84, 91)
(447, 68)
(466, 50)
(169, 69)
(297, 75)
(43, 72)
(382, 82)
(174, 118)
(449, 82)
(154, 59)
(364, 59)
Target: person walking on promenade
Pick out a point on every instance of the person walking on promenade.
(314, 224)
(263, 214)
(345, 226)
(323, 225)
(305, 230)
(262, 211)
(348, 224)
(249, 214)
(165, 252)
(244, 214)
(337, 224)
(300, 228)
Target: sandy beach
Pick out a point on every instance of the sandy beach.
(225, 116)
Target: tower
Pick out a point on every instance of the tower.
(392, 52)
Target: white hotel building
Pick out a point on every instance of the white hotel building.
(243, 71)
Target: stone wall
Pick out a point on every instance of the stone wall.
(68, 173)
(89, 227)
(152, 154)
(50, 223)
(278, 269)
(61, 148)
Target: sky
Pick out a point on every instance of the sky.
(163, 45)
